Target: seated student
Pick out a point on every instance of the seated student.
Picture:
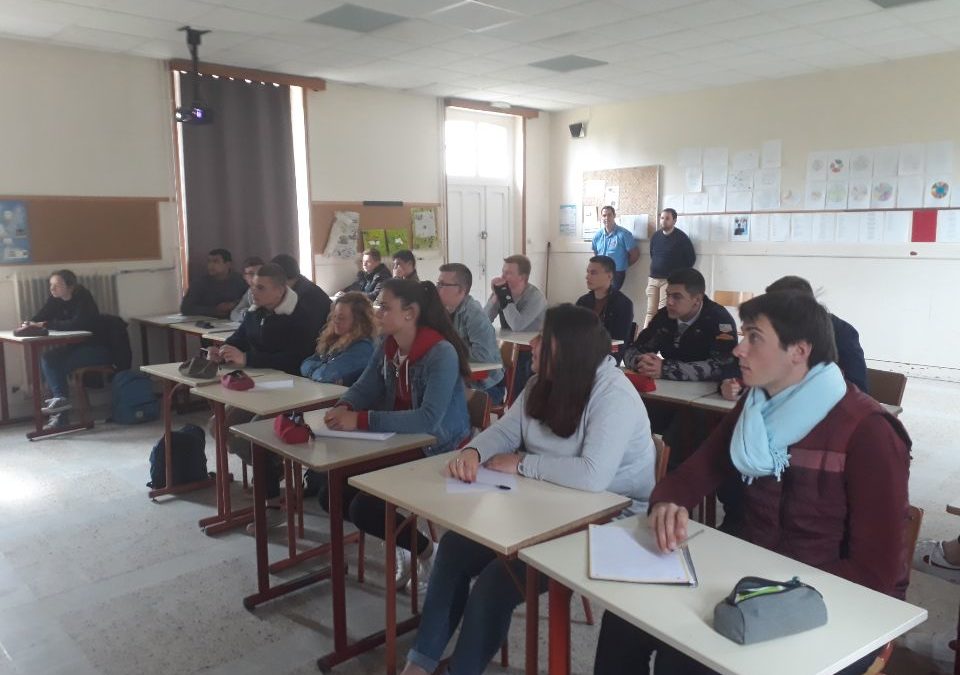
(70, 307)
(580, 424)
(217, 293)
(614, 309)
(346, 344)
(849, 352)
(405, 265)
(372, 275)
(693, 335)
(520, 306)
(472, 325)
(250, 267)
(845, 516)
(314, 299)
(412, 384)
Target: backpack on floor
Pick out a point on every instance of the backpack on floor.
(133, 398)
(189, 459)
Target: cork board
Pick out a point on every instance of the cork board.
(92, 229)
(639, 192)
(371, 218)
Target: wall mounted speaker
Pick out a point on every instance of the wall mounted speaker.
(578, 130)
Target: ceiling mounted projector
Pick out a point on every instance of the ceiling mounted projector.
(196, 112)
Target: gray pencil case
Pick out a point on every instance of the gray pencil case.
(760, 609)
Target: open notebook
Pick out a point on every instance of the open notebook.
(630, 554)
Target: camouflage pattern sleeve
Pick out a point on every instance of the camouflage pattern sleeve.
(715, 367)
(647, 342)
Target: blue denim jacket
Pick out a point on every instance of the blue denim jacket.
(343, 367)
(474, 327)
(439, 406)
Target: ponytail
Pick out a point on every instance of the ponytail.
(432, 314)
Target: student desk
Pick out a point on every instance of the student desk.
(340, 459)
(523, 338)
(479, 371)
(680, 393)
(32, 347)
(182, 330)
(716, 402)
(165, 323)
(303, 395)
(504, 521)
(172, 379)
(217, 337)
(860, 620)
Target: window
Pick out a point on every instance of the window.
(477, 149)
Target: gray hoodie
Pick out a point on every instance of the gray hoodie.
(612, 448)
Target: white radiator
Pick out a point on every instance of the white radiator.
(33, 292)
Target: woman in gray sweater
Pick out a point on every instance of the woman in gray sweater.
(578, 423)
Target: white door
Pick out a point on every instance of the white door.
(479, 231)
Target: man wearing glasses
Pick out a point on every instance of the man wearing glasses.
(472, 325)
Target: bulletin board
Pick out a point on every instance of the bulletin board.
(638, 192)
(371, 218)
(92, 229)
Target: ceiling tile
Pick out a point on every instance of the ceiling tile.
(376, 46)
(102, 40)
(473, 15)
(412, 8)
(24, 27)
(421, 32)
(651, 6)
(639, 29)
(228, 19)
(927, 11)
(529, 30)
(592, 14)
(478, 66)
(842, 28)
(826, 10)
(441, 90)
(841, 59)
(704, 13)
(430, 56)
(718, 50)
(525, 54)
(577, 42)
(532, 7)
(792, 36)
(155, 29)
(516, 73)
(475, 44)
(746, 26)
(178, 11)
(298, 10)
(770, 5)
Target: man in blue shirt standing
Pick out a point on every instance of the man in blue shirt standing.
(615, 242)
(670, 250)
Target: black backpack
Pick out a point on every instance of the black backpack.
(189, 459)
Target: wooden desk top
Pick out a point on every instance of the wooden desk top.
(525, 337)
(303, 394)
(54, 336)
(171, 371)
(217, 336)
(484, 367)
(193, 328)
(503, 521)
(715, 401)
(680, 392)
(323, 454)
(170, 319)
(860, 620)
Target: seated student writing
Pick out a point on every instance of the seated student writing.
(579, 423)
(823, 468)
(69, 307)
(614, 309)
(414, 383)
(346, 344)
(849, 352)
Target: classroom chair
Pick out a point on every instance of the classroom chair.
(911, 533)
(731, 298)
(508, 354)
(479, 407)
(81, 378)
(662, 460)
(886, 387)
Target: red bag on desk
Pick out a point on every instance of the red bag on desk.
(291, 428)
(30, 331)
(642, 383)
(237, 380)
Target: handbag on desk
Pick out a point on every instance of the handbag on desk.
(237, 380)
(30, 331)
(291, 428)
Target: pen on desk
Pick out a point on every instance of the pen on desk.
(507, 487)
(684, 542)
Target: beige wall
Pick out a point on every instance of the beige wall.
(888, 292)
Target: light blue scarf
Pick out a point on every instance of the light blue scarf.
(767, 427)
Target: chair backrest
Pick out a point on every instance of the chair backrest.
(910, 535)
(731, 298)
(478, 405)
(663, 458)
(885, 386)
(508, 352)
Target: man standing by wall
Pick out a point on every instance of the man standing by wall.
(670, 250)
(615, 242)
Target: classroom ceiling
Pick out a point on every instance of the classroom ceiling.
(484, 50)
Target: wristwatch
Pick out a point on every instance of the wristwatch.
(520, 468)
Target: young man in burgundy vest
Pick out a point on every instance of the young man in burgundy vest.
(822, 472)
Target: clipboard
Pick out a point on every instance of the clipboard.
(630, 554)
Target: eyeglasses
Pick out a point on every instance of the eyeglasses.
(443, 284)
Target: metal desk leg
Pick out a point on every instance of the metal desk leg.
(559, 651)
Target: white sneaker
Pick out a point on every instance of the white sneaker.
(402, 562)
(424, 568)
(928, 557)
(55, 405)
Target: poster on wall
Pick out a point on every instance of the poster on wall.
(375, 239)
(397, 240)
(344, 235)
(14, 232)
(424, 228)
(568, 220)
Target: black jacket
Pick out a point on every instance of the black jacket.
(370, 284)
(205, 293)
(617, 316)
(703, 352)
(280, 339)
(80, 312)
(315, 302)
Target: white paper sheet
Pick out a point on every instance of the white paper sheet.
(883, 194)
(740, 180)
(871, 227)
(801, 227)
(897, 227)
(848, 228)
(836, 195)
(689, 157)
(740, 230)
(715, 157)
(674, 202)
(858, 193)
(779, 226)
(693, 179)
(715, 174)
(631, 554)
(912, 159)
(948, 227)
(910, 192)
(936, 192)
(790, 198)
(824, 227)
(275, 384)
(695, 202)
(760, 227)
(771, 154)
(611, 196)
(838, 165)
(739, 201)
(817, 166)
(861, 163)
(766, 199)
(720, 228)
(766, 178)
(746, 160)
(816, 195)
(487, 481)
(886, 161)
(717, 198)
(940, 158)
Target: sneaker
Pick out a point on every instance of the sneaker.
(928, 557)
(402, 571)
(56, 421)
(276, 517)
(55, 405)
(424, 568)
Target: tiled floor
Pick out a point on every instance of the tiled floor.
(97, 579)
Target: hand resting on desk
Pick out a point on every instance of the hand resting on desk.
(669, 524)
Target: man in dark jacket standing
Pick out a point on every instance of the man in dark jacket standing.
(670, 250)
(314, 299)
(612, 307)
(217, 293)
(370, 279)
